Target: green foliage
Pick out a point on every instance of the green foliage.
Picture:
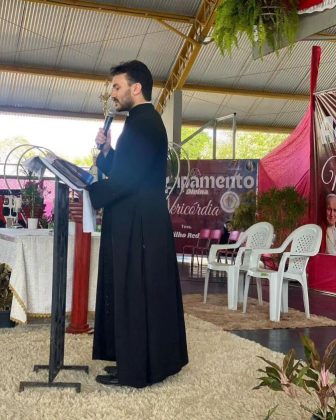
(232, 18)
(32, 198)
(84, 161)
(283, 208)
(47, 222)
(199, 147)
(8, 144)
(262, 20)
(5, 293)
(271, 411)
(245, 215)
(250, 145)
(314, 376)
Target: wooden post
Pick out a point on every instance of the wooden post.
(80, 289)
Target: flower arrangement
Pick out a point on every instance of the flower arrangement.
(263, 21)
(316, 376)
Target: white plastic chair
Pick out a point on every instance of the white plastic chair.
(305, 242)
(259, 235)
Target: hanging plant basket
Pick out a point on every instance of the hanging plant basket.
(263, 21)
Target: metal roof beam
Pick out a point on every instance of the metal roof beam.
(52, 72)
(191, 87)
(244, 127)
(110, 8)
(85, 115)
(189, 51)
(244, 92)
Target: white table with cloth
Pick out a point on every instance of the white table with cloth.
(29, 253)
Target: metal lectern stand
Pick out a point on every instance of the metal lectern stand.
(57, 330)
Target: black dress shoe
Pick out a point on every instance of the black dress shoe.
(111, 370)
(107, 380)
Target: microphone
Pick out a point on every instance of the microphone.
(107, 125)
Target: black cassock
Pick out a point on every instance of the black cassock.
(139, 318)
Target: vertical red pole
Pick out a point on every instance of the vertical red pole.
(313, 194)
(80, 289)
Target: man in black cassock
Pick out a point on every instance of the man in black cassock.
(139, 320)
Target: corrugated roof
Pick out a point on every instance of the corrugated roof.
(72, 39)
(181, 7)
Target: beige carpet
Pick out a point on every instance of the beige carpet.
(256, 317)
(216, 385)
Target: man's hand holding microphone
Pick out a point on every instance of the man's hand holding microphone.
(103, 141)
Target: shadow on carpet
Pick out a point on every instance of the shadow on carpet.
(256, 318)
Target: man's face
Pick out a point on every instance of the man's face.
(122, 93)
(331, 211)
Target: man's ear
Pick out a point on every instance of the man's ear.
(137, 89)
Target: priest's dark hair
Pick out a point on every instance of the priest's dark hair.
(137, 72)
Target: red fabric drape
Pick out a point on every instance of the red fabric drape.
(291, 163)
(305, 4)
(321, 273)
(288, 164)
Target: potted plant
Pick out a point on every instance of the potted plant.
(6, 297)
(245, 215)
(283, 208)
(263, 21)
(32, 201)
(315, 376)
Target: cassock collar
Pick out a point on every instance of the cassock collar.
(141, 108)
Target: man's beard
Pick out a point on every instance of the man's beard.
(126, 105)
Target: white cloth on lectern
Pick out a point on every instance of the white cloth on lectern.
(89, 214)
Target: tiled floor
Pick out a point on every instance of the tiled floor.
(280, 340)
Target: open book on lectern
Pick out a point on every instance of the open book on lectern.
(72, 175)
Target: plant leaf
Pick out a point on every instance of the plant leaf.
(312, 374)
(270, 412)
(329, 358)
(272, 383)
(312, 384)
(277, 367)
(312, 355)
(300, 380)
(288, 361)
(272, 372)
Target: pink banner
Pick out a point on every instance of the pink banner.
(210, 196)
(325, 154)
